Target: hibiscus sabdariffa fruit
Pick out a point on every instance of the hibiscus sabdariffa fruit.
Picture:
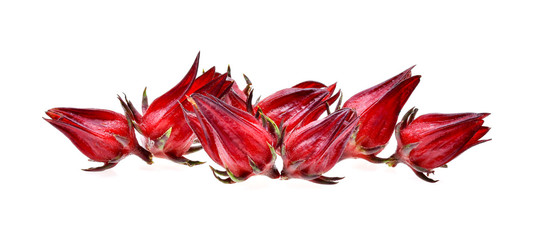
(432, 140)
(233, 138)
(378, 108)
(102, 135)
(312, 150)
(298, 105)
(162, 123)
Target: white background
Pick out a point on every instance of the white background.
(474, 56)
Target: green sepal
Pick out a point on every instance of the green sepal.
(283, 151)
(266, 120)
(185, 161)
(257, 101)
(193, 149)
(374, 159)
(273, 151)
(326, 180)
(234, 178)
(160, 142)
(144, 101)
(248, 87)
(223, 180)
(248, 82)
(127, 111)
(413, 115)
(408, 117)
(107, 165)
(338, 106)
(423, 176)
(328, 111)
(253, 165)
(219, 172)
(279, 142)
(249, 99)
(257, 113)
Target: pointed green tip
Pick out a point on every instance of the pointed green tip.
(233, 177)
(409, 116)
(160, 142)
(273, 151)
(253, 165)
(107, 165)
(248, 82)
(338, 106)
(326, 180)
(424, 177)
(221, 173)
(144, 101)
(191, 163)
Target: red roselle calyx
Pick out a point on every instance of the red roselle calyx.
(211, 112)
(162, 123)
(233, 138)
(378, 108)
(239, 98)
(102, 135)
(299, 105)
(432, 140)
(312, 150)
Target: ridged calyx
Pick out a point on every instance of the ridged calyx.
(432, 140)
(378, 108)
(232, 138)
(102, 135)
(312, 150)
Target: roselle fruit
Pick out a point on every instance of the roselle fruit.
(211, 112)
(102, 135)
(312, 150)
(378, 108)
(233, 138)
(162, 123)
(298, 105)
(432, 140)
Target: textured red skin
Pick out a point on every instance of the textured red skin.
(203, 80)
(309, 84)
(235, 89)
(299, 105)
(378, 108)
(235, 97)
(318, 145)
(230, 135)
(165, 112)
(291, 104)
(439, 138)
(93, 132)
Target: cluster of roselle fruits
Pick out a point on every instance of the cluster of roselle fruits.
(211, 112)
